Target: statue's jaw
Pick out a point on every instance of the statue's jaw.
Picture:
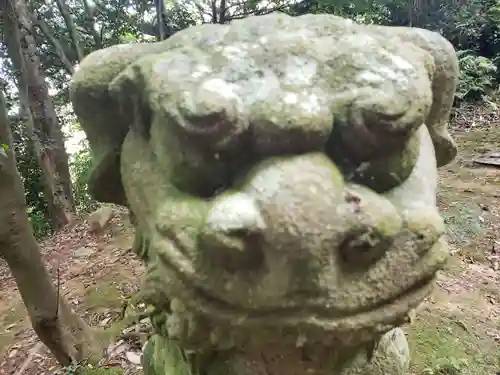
(316, 313)
(308, 322)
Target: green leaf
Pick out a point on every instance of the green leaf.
(3, 150)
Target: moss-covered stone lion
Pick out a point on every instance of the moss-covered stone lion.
(282, 172)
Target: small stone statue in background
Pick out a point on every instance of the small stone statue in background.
(282, 174)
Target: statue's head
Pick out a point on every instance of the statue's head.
(282, 172)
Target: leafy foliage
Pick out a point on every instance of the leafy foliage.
(31, 175)
(477, 76)
(447, 366)
(80, 168)
(39, 223)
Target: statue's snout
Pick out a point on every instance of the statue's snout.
(233, 232)
(299, 209)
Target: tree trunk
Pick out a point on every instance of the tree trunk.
(90, 23)
(58, 48)
(66, 335)
(222, 12)
(47, 135)
(70, 25)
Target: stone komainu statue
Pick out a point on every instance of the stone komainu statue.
(282, 172)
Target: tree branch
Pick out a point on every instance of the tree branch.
(238, 4)
(89, 13)
(222, 12)
(262, 12)
(202, 12)
(59, 50)
(119, 11)
(214, 11)
(70, 25)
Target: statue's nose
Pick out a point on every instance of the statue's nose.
(301, 199)
(233, 232)
(298, 210)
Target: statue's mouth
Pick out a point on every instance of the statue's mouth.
(293, 310)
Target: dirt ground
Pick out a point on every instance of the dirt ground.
(456, 332)
(99, 277)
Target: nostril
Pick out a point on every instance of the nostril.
(233, 251)
(374, 224)
(232, 236)
(363, 247)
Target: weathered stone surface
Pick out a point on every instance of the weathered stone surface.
(99, 220)
(391, 356)
(282, 173)
(83, 252)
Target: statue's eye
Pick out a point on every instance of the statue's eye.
(204, 175)
(195, 168)
(229, 173)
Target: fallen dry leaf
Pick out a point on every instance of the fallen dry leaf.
(134, 357)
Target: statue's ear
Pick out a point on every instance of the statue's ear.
(98, 91)
(129, 89)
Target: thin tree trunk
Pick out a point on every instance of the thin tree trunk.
(44, 128)
(58, 48)
(160, 19)
(90, 25)
(70, 25)
(222, 12)
(41, 105)
(66, 335)
(214, 11)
